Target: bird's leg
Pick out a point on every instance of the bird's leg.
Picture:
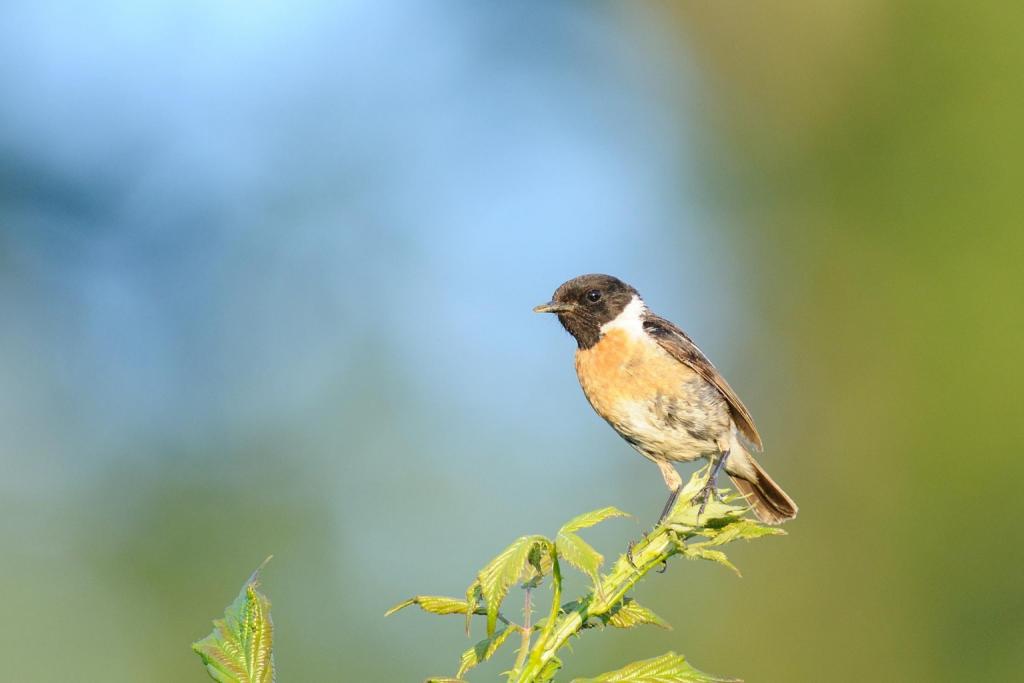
(629, 554)
(710, 488)
(714, 474)
(669, 504)
(675, 485)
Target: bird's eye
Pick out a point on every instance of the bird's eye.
(594, 295)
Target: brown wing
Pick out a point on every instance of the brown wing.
(682, 348)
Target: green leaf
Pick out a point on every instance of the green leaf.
(472, 602)
(699, 552)
(435, 604)
(539, 565)
(685, 513)
(239, 650)
(745, 529)
(630, 613)
(504, 570)
(668, 668)
(714, 513)
(551, 668)
(445, 680)
(483, 650)
(588, 519)
(579, 553)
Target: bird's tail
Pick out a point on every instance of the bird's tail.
(771, 504)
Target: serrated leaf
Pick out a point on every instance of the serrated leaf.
(483, 650)
(589, 519)
(668, 668)
(699, 552)
(504, 570)
(539, 565)
(690, 517)
(685, 513)
(630, 613)
(240, 648)
(745, 529)
(435, 604)
(579, 553)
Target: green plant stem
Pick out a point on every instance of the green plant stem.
(527, 631)
(648, 554)
(556, 600)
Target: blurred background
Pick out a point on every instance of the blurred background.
(266, 273)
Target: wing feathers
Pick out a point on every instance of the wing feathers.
(682, 348)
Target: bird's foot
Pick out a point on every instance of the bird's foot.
(706, 493)
(669, 505)
(629, 552)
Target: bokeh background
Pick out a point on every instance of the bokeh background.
(266, 272)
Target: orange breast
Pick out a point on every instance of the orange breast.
(661, 406)
(624, 369)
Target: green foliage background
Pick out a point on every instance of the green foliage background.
(854, 269)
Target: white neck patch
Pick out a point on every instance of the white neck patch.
(631, 319)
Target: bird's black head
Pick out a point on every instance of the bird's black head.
(585, 303)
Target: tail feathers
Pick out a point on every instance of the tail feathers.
(770, 502)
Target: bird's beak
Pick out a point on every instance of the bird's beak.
(553, 307)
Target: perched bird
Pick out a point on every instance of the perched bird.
(651, 383)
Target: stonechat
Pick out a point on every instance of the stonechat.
(651, 383)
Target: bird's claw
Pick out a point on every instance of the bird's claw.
(629, 552)
(707, 492)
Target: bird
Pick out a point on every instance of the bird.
(658, 390)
